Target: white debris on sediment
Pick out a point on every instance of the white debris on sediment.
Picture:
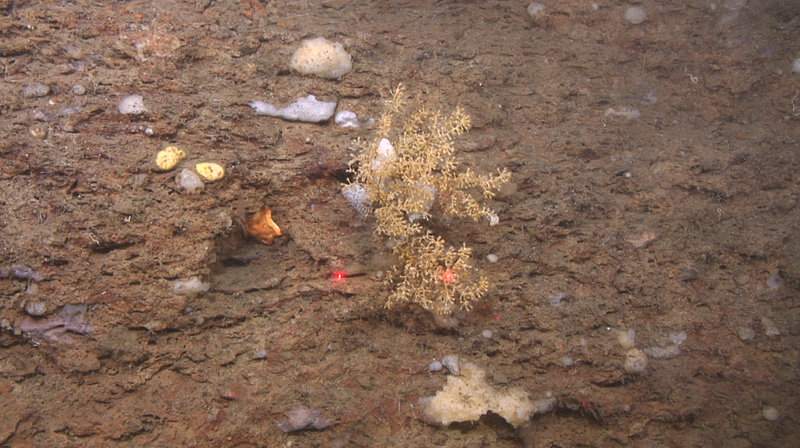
(307, 109)
(356, 194)
(348, 119)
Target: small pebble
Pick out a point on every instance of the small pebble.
(567, 361)
(535, 8)
(796, 65)
(487, 334)
(451, 362)
(544, 405)
(734, 5)
(189, 181)
(38, 115)
(770, 328)
(492, 258)
(190, 287)
(154, 325)
(627, 339)
(678, 338)
(39, 131)
(66, 68)
(667, 352)
(132, 105)
(690, 274)
(771, 413)
(624, 112)
(746, 333)
(555, 299)
(261, 354)
(23, 272)
(635, 361)
(36, 91)
(302, 417)
(78, 89)
(73, 52)
(775, 281)
(635, 15)
(445, 322)
(35, 308)
(434, 366)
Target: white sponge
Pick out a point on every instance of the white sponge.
(322, 58)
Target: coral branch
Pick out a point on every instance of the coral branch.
(402, 175)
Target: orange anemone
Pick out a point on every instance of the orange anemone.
(261, 226)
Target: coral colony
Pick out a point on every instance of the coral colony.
(410, 168)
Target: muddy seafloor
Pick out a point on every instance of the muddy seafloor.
(681, 221)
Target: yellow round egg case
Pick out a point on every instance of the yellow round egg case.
(210, 171)
(168, 158)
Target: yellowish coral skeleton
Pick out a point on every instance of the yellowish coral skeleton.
(403, 174)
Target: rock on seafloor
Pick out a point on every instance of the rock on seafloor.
(132, 105)
(302, 417)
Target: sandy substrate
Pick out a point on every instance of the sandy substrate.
(654, 188)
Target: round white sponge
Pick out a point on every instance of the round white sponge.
(322, 58)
